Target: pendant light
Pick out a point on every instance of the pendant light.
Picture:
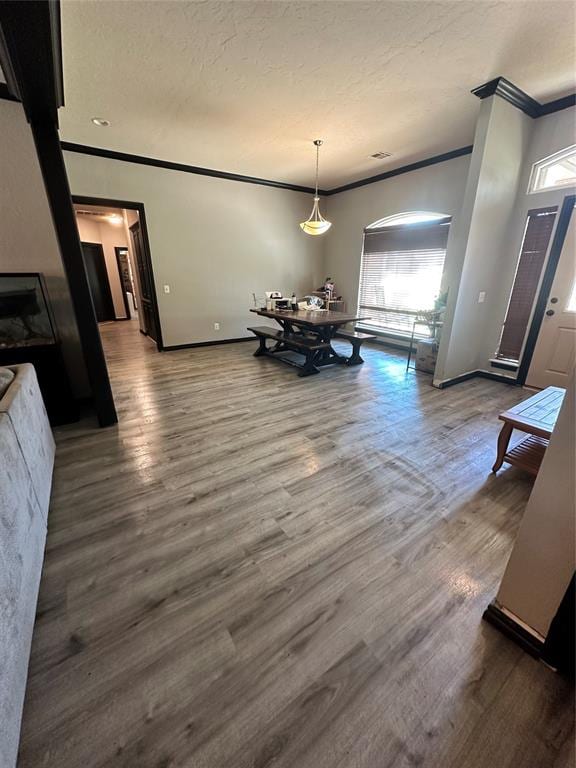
(316, 224)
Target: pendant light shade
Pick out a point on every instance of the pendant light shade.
(316, 224)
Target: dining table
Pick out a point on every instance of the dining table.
(309, 332)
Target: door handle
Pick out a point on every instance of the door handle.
(550, 312)
(553, 300)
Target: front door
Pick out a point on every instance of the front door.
(98, 281)
(555, 351)
(146, 285)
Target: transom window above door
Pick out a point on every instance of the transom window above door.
(554, 172)
(401, 271)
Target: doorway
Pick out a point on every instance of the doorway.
(550, 353)
(149, 322)
(98, 281)
(126, 281)
(117, 231)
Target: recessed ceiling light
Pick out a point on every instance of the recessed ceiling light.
(101, 122)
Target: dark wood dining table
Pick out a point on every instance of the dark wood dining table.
(322, 324)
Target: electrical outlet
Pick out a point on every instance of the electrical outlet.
(481, 297)
(166, 289)
(216, 326)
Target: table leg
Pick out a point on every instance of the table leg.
(503, 440)
(333, 356)
(309, 369)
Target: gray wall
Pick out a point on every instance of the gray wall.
(213, 241)
(549, 135)
(486, 195)
(27, 239)
(495, 206)
(438, 188)
(216, 241)
(481, 244)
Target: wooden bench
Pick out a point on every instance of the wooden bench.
(535, 416)
(309, 346)
(356, 338)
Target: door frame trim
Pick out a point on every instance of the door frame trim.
(124, 297)
(101, 249)
(546, 286)
(130, 204)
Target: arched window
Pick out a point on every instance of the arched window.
(411, 217)
(402, 264)
(554, 172)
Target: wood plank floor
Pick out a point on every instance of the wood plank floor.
(254, 570)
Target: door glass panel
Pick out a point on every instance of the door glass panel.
(571, 306)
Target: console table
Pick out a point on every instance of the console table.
(535, 416)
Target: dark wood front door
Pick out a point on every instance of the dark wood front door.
(146, 285)
(98, 281)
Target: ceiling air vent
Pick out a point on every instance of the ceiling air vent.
(381, 155)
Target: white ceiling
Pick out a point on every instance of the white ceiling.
(246, 86)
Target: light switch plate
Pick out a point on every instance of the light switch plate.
(481, 297)
(166, 289)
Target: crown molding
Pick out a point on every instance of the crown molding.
(521, 100)
(557, 105)
(154, 162)
(124, 157)
(499, 87)
(510, 93)
(402, 169)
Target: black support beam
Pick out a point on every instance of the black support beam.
(30, 55)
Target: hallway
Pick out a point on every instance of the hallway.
(255, 570)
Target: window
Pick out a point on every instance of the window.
(554, 172)
(415, 217)
(402, 263)
(537, 233)
(571, 305)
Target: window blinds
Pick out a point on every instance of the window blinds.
(537, 233)
(401, 273)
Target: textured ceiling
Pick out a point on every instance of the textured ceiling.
(246, 86)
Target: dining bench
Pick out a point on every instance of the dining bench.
(356, 338)
(309, 346)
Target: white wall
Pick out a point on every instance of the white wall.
(438, 188)
(27, 238)
(543, 559)
(109, 236)
(212, 241)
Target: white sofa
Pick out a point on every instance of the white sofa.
(26, 464)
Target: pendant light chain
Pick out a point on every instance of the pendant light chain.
(317, 142)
